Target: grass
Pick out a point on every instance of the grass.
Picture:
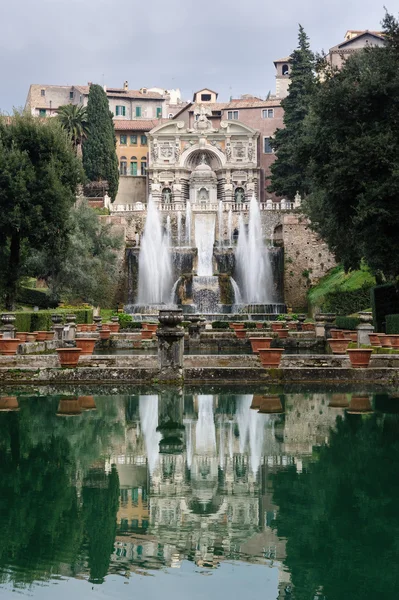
(338, 280)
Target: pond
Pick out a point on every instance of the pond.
(181, 494)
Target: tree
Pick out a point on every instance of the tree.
(288, 173)
(73, 119)
(88, 270)
(354, 158)
(99, 156)
(39, 174)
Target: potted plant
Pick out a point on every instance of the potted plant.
(9, 346)
(105, 332)
(260, 342)
(270, 357)
(338, 346)
(360, 357)
(86, 345)
(68, 357)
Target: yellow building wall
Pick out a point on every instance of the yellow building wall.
(130, 150)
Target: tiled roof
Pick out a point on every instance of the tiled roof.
(286, 59)
(137, 124)
(241, 103)
(122, 93)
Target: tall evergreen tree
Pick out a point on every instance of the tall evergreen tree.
(288, 171)
(99, 157)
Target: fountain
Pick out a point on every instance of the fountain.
(168, 231)
(188, 224)
(179, 229)
(155, 266)
(220, 223)
(230, 227)
(206, 293)
(253, 266)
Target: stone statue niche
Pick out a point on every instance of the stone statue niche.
(203, 196)
(203, 184)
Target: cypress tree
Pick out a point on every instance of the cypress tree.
(288, 171)
(99, 157)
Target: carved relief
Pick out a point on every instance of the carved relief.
(154, 151)
(201, 114)
(166, 150)
(239, 150)
(228, 152)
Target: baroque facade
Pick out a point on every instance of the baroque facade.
(203, 163)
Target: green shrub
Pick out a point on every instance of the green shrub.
(249, 325)
(186, 324)
(392, 324)
(131, 325)
(23, 321)
(34, 297)
(384, 301)
(41, 320)
(124, 319)
(220, 325)
(349, 323)
(346, 303)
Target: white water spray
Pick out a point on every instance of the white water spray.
(220, 223)
(188, 224)
(179, 229)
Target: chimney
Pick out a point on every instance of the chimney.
(126, 86)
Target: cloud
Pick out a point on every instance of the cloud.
(189, 44)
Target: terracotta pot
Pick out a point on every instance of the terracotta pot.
(241, 334)
(334, 334)
(360, 405)
(338, 346)
(292, 326)
(270, 357)
(231, 326)
(41, 336)
(87, 403)
(8, 346)
(21, 335)
(8, 403)
(360, 357)
(144, 326)
(92, 327)
(394, 339)
(271, 405)
(114, 327)
(69, 407)
(31, 337)
(259, 325)
(282, 333)
(308, 327)
(146, 334)
(50, 336)
(338, 401)
(79, 328)
(152, 327)
(236, 326)
(276, 325)
(375, 340)
(86, 345)
(260, 342)
(256, 401)
(68, 357)
(352, 336)
(385, 340)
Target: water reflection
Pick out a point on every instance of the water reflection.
(303, 483)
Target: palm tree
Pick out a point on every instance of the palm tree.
(73, 119)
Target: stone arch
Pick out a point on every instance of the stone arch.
(189, 157)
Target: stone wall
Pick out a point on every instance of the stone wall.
(131, 189)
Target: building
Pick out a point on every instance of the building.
(124, 103)
(353, 42)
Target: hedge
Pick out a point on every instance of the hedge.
(34, 297)
(347, 302)
(41, 320)
(347, 322)
(384, 301)
(249, 325)
(220, 325)
(392, 324)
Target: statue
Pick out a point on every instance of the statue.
(297, 200)
(239, 195)
(250, 152)
(228, 152)
(177, 152)
(201, 117)
(154, 151)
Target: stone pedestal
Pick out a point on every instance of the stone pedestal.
(58, 332)
(170, 345)
(320, 327)
(363, 331)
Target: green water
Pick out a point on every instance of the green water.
(185, 495)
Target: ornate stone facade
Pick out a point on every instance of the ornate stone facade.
(203, 164)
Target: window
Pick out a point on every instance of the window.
(123, 140)
(159, 112)
(123, 166)
(133, 166)
(206, 97)
(138, 111)
(268, 113)
(133, 140)
(285, 70)
(42, 112)
(143, 166)
(120, 111)
(71, 95)
(143, 140)
(232, 115)
(42, 92)
(267, 148)
(170, 116)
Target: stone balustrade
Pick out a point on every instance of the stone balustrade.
(203, 207)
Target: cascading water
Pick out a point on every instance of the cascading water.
(236, 290)
(254, 272)
(206, 293)
(251, 430)
(230, 227)
(179, 229)
(205, 433)
(155, 265)
(188, 224)
(220, 223)
(168, 231)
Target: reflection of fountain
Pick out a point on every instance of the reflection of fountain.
(205, 432)
(148, 407)
(253, 263)
(155, 267)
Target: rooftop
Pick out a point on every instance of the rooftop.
(137, 125)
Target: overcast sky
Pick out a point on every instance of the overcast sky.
(227, 45)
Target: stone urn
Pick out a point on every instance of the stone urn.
(69, 357)
(271, 405)
(327, 317)
(301, 317)
(86, 345)
(70, 319)
(256, 401)
(87, 403)
(170, 318)
(9, 346)
(56, 318)
(270, 357)
(338, 401)
(69, 407)
(360, 405)
(338, 346)
(260, 342)
(7, 318)
(9, 404)
(365, 316)
(360, 357)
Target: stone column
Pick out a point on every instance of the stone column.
(320, 327)
(365, 328)
(194, 329)
(70, 330)
(170, 345)
(57, 327)
(8, 320)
